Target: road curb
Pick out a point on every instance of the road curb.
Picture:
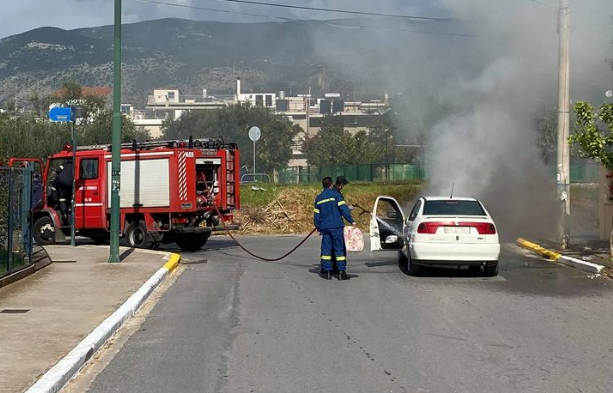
(577, 263)
(55, 379)
(552, 255)
(586, 266)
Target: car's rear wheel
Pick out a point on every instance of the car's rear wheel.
(413, 269)
(402, 259)
(490, 270)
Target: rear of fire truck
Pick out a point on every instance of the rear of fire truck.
(183, 192)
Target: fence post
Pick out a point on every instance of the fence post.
(26, 212)
(9, 238)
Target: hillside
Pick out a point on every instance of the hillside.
(193, 55)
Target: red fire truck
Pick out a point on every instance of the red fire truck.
(170, 191)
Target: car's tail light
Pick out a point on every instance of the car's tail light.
(484, 228)
(431, 227)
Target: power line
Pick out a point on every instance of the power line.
(211, 9)
(336, 10)
(337, 24)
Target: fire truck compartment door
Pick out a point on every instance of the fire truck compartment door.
(144, 183)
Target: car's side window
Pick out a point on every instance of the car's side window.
(415, 211)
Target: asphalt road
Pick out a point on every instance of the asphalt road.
(235, 324)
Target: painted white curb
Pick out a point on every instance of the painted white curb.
(55, 379)
(581, 264)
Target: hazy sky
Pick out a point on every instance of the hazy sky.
(20, 16)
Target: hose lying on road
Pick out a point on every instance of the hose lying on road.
(251, 253)
(257, 256)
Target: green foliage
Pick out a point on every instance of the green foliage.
(32, 135)
(333, 145)
(273, 150)
(546, 123)
(594, 140)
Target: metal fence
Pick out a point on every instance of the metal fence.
(366, 173)
(579, 173)
(15, 219)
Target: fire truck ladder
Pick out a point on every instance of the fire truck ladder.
(230, 178)
(200, 143)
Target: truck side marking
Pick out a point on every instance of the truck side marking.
(140, 155)
(182, 176)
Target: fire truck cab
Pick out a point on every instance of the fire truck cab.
(170, 191)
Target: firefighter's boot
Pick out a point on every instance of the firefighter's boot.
(342, 275)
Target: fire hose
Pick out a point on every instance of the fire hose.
(364, 211)
(255, 255)
(225, 227)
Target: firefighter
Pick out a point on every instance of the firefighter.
(329, 210)
(61, 189)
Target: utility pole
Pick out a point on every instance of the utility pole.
(116, 139)
(563, 168)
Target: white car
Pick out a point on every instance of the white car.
(439, 231)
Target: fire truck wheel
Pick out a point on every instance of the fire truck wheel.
(191, 242)
(44, 231)
(137, 236)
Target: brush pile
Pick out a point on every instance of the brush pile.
(291, 211)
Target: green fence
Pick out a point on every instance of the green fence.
(366, 173)
(579, 173)
(15, 223)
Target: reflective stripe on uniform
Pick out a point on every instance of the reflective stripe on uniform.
(326, 200)
(341, 203)
(316, 210)
(341, 258)
(326, 257)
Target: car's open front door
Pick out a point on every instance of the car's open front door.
(386, 225)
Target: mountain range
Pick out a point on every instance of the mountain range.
(193, 55)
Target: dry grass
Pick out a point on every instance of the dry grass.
(289, 209)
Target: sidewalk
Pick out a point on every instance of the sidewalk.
(46, 315)
(587, 253)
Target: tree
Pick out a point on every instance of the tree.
(71, 90)
(594, 137)
(329, 147)
(546, 123)
(333, 145)
(273, 150)
(27, 136)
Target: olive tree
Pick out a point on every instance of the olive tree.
(594, 136)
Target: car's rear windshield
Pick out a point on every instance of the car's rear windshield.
(453, 208)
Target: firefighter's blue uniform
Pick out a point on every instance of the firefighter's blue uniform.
(329, 210)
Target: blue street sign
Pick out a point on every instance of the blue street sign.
(61, 114)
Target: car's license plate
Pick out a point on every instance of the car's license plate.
(457, 230)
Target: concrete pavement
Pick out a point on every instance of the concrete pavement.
(46, 315)
(235, 324)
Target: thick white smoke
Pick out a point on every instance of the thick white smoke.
(487, 146)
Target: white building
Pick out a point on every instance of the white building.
(303, 110)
